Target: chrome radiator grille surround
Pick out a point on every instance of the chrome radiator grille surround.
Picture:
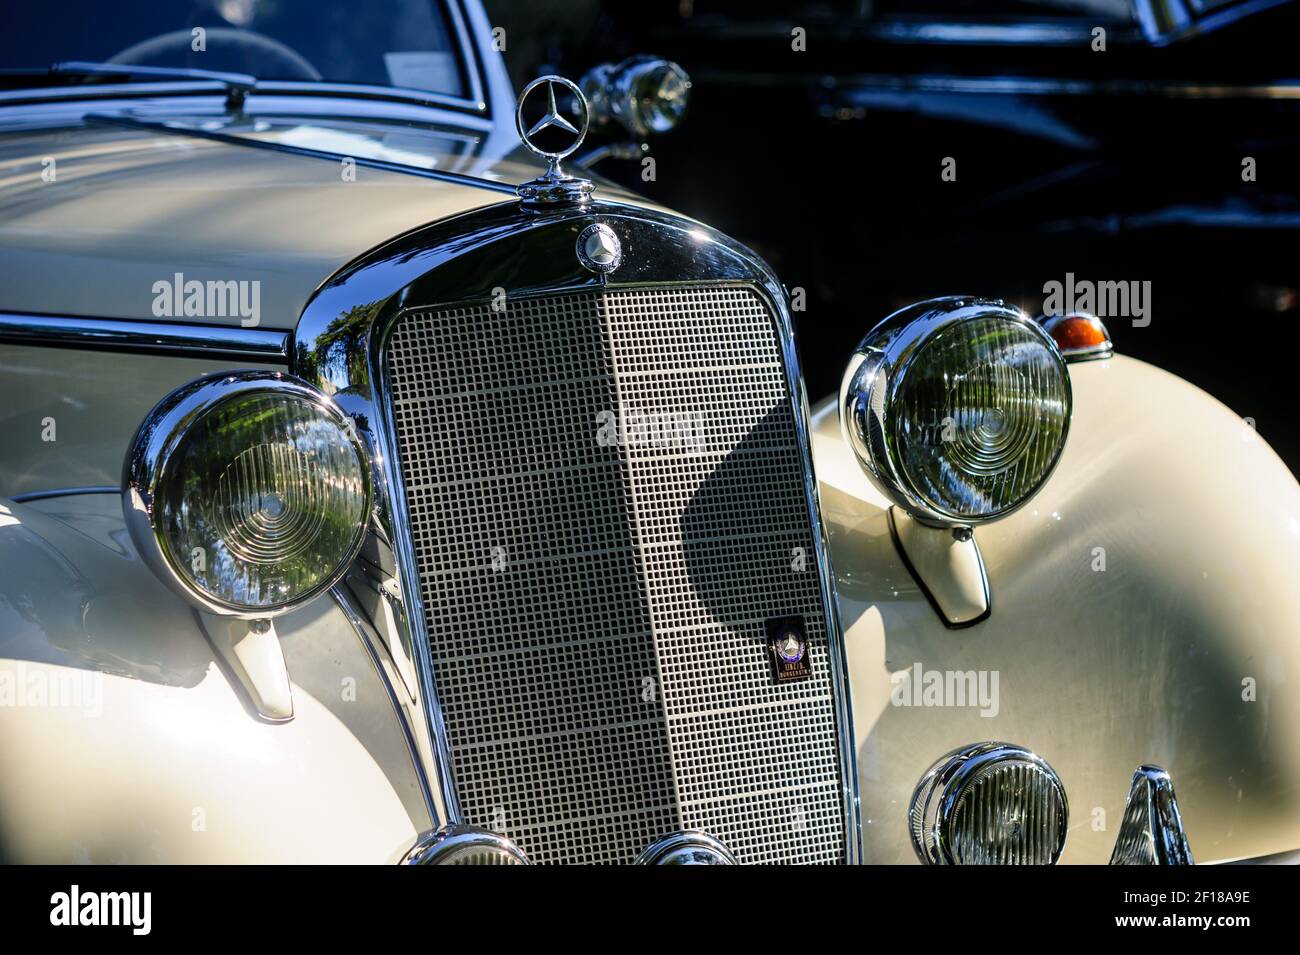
(596, 611)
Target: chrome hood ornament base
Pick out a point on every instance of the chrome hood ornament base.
(555, 186)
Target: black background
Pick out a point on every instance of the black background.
(1130, 171)
(581, 908)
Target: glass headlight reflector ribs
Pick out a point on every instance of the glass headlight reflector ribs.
(464, 845)
(957, 409)
(247, 492)
(989, 804)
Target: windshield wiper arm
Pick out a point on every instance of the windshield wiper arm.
(238, 85)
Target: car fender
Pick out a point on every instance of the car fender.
(1144, 610)
(122, 740)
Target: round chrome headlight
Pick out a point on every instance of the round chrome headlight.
(249, 493)
(957, 409)
(645, 94)
(989, 804)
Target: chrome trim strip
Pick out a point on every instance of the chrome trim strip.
(856, 27)
(469, 59)
(1290, 857)
(119, 334)
(64, 492)
(231, 139)
(337, 343)
(396, 94)
(1008, 85)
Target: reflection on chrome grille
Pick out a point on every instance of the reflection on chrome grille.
(596, 609)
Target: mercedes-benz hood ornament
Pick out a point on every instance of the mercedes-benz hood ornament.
(550, 134)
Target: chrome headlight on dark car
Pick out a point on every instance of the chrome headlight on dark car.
(249, 493)
(957, 409)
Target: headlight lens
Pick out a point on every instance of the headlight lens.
(256, 491)
(644, 94)
(980, 417)
(659, 92)
(959, 409)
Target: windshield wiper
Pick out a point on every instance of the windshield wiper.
(238, 85)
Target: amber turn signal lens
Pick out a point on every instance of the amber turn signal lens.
(1079, 335)
(1077, 332)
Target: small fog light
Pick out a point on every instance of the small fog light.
(989, 804)
(464, 845)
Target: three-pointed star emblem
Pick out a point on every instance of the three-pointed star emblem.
(552, 117)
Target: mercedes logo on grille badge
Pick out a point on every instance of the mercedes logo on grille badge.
(787, 647)
(599, 249)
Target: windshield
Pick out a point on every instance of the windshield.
(406, 43)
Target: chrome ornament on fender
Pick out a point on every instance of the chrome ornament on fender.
(555, 186)
(1152, 831)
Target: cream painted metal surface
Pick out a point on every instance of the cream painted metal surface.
(159, 758)
(1099, 671)
(68, 415)
(950, 569)
(130, 208)
(254, 658)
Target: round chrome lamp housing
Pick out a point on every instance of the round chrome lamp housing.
(687, 848)
(248, 493)
(464, 845)
(989, 804)
(646, 95)
(957, 409)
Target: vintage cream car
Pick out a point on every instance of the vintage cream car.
(377, 491)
